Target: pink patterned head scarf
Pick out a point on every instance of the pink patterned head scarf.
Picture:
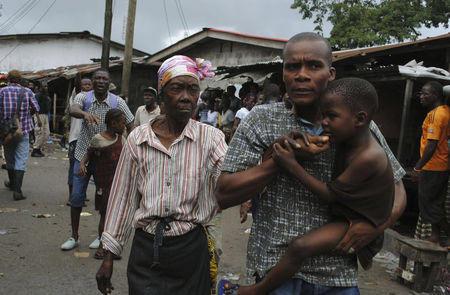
(180, 65)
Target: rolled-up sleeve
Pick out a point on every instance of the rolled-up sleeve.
(123, 200)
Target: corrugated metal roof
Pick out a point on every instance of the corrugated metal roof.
(344, 54)
(337, 56)
(70, 72)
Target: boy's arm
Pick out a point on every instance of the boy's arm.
(356, 172)
(362, 233)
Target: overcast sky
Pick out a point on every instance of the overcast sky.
(153, 31)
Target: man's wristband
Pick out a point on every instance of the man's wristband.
(417, 170)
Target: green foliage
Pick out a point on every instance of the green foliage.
(361, 23)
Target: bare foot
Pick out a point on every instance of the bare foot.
(248, 290)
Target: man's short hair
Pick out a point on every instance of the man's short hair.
(436, 88)
(358, 94)
(14, 76)
(101, 70)
(310, 36)
(113, 115)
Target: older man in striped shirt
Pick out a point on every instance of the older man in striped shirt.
(164, 188)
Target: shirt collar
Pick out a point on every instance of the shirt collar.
(148, 135)
(310, 127)
(107, 100)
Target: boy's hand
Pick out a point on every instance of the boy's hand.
(284, 155)
(304, 145)
(358, 235)
(307, 146)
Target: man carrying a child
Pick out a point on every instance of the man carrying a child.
(289, 209)
(92, 107)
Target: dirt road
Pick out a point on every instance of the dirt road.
(31, 261)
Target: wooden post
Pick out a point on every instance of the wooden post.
(69, 93)
(127, 60)
(54, 112)
(107, 34)
(447, 58)
(405, 113)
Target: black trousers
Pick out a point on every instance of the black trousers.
(432, 194)
(183, 269)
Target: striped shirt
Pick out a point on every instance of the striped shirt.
(152, 181)
(9, 96)
(98, 108)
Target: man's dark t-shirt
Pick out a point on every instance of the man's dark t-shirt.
(44, 103)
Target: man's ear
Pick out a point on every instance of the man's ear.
(361, 118)
(332, 74)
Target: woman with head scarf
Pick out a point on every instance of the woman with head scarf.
(164, 189)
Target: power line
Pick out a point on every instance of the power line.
(15, 13)
(19, 17)
(183, 17)
(42, 16)
(30, 30)
(167, 21)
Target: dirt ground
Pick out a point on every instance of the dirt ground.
(31, 261)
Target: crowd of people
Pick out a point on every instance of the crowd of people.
(310, 164)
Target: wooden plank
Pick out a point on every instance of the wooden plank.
(433, 276)
(402, 261)
(419, 279)
(418, 255)
(423, 245)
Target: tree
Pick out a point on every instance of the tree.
(361, 23)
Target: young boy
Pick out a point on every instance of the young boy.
(102, 157)
(363, 187)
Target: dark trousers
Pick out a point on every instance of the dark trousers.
(432, 194)
(183, 268)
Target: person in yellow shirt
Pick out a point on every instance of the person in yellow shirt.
(432, 166)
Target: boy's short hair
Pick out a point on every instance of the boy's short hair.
(358, 94)
(112, 116)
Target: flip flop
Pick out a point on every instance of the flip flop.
(225, 287)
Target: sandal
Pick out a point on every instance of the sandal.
(225, 287)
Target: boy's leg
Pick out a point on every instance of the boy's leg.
(315, 242)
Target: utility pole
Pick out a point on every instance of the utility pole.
(127, 60)
(107, 34)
